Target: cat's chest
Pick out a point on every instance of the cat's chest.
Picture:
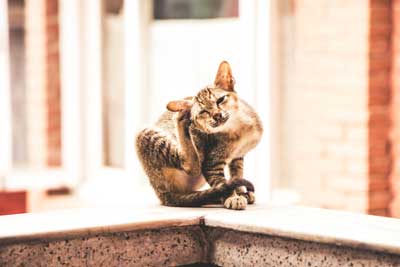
(241, 134)
(234, 144)
(246, 140)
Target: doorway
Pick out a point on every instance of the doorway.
(186, 42)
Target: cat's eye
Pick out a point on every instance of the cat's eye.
(203, 112)
(221, 99)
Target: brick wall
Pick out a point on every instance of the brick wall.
(53, 84)
(379, 150)
(395, 110)
(336, 105)
(342, 124)
(43, 82)
(325, 116)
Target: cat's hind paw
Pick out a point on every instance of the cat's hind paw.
(235, 202)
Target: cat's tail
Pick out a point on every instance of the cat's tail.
(208, 196)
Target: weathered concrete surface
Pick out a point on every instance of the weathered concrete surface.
(234, 248)
(183, 245)
(163, 236)
(346, 229)
(160, 247)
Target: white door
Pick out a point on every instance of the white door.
(184, 53)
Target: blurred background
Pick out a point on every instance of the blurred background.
(78, 79)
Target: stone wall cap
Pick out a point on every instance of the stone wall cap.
(295, 222)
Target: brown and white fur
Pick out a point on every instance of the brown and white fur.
(193, 141)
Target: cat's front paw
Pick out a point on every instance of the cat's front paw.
(250, 196)
(184, 117)
(184, 122)
(235, 202)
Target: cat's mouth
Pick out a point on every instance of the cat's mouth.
(219, 122)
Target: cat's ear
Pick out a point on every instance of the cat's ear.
(179, 105)
(224, 78)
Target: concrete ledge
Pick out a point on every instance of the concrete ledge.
(317, 225)
(160, 236)
(235, 248)
(157, 247)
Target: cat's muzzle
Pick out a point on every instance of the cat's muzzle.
(218, 121)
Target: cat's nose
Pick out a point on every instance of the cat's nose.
(217, 116)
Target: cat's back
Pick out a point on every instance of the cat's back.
(243, 133)
(247, 117)
(251, 122)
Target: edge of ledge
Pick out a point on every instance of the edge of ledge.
(72, 223)
(354, 230)
(300, 223)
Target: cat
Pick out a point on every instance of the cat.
(194, 140)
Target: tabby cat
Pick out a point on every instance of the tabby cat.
(194, 140)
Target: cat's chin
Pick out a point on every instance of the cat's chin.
(208, 130)
(217, 126)
(211, 129)
(218, 129)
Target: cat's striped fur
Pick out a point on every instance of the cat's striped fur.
(191, 144)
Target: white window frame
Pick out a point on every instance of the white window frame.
(255, 16)
(264, 97)
(5, 116)
(81, 89)
(71, 34)
(14, 178)
(81, 68)
(88, 62)
(100, 178)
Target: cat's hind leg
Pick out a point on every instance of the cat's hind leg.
(212, 195)
(157, 149)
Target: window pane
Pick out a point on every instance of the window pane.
(195, 9)
(113, 88)
(18, 88)
(35, 87)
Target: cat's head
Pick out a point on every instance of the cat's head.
(213, 106)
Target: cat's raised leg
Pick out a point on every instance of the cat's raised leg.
(190, 158)
(236, 172)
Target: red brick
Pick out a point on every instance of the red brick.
(380, 212)
(379, 159)
(43, 39)
(379, 199)
(13, 202)
(379, 185)
(395, 109)
(51, 7)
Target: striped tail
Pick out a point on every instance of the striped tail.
(208, 196)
